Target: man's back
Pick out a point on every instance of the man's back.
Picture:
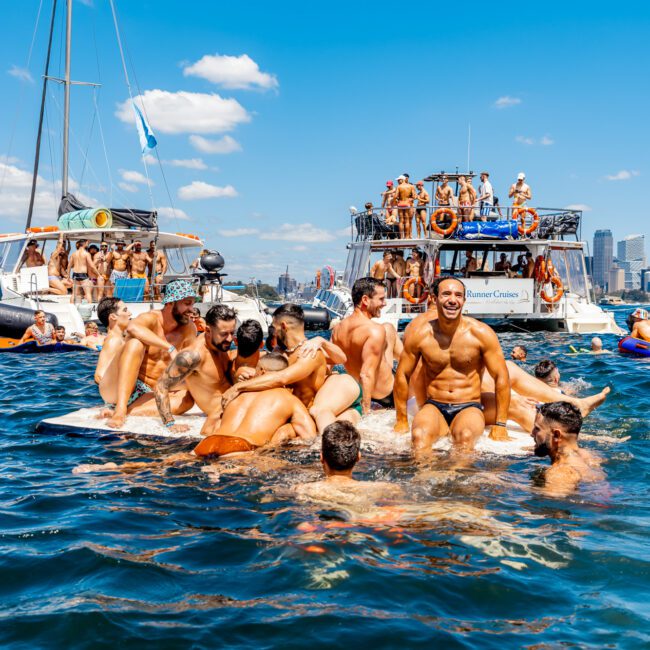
(350, 335)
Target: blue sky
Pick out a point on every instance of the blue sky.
(320, 103)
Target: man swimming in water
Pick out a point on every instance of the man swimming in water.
(368, 345)
(328, 397)
(641, 324)
(205, 367)
(519, 353)
(555, 433)
(548, 372)
(253, 420)
(154, 338)
(454, 350)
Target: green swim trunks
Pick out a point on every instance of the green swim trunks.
(140, 389)
(357, 402)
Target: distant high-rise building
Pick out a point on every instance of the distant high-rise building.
(603, 257)
(631, 258)
(286, 284)
(616, 279)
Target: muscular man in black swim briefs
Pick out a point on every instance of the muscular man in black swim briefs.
(454, 350)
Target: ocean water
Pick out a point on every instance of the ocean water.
(196, 554)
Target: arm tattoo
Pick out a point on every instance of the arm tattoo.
(182, 365)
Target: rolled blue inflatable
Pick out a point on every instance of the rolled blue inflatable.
(507, 229)
(631, 345)
(88, 218)
(31, 347)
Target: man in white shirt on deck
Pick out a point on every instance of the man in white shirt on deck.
(485, 196)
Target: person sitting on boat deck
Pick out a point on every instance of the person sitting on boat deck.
(519, 353)
(41, 331)
(59, 284)
(528, 270)
(82, 263)
(383, 270)
(160, 262)
(140, 261)
(640, 319)
(444, 193)
(153, 340)
(118, 263)
(555, 433)
(519, 191)
(32, 256)
(93, 338)
(115, 316)
(327, 396)
(503, 264)
(548, 372)
(485, 196)
(253, 420)
(100, 260)
(248, 340)
(404, 195)
(368, 345)
(465, 202)
(198, 320)
(471, 264)
(455, 350)
(421, 216)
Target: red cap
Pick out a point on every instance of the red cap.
(389, 182)
(420, 183)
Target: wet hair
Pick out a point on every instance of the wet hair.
(274, 362)
(544, 368)
(289, 310)
(523, 348)
(435, 287)
(220, 313)
(105, 308)
(249, 337)
(364, 287)
(565, 414)
(341, 443)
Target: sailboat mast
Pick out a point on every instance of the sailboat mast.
(66, 104)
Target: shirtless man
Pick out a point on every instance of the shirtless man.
(59, 284)
(529, 266)
(421, 214)
(118, 262)
(100, 259)
(41, 331)
(140, 261)
(253, 420)
(383, 270)
(328, 397)
(454, 350)
(472, 197)
(444, 193)
(548, 372)
(368, 345)
(503, 264)
(248, 341)
(82, 263)
(160, 261)
(153, 340)
(641, 324)
(93, 338)
(388, 204)
(405, 196)
(555, 433)
(464, 200)
(471, 263)
(520, 192)
(519, 353)
(415, 269)
(32, 256)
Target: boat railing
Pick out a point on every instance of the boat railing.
(383, 223)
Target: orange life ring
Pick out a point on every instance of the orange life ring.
(184, 234)
(43, 229)
(406, 291)
(522, 212)
(440, 212)
(559, 290)
(539, 271)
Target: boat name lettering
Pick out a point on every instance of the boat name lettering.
(495, 293)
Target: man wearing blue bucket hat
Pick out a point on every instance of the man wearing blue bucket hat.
(153, 339)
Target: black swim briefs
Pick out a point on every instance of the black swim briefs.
(450, 411)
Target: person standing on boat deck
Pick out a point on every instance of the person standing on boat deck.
(101, 262)
(327, 396)
(82, 263)
(529, 266)
(118, 262)
(408, 182)
(368, 345)
(472, 198)
(415, 269)
(455, 350)
(421, 215)
(464, 200)
(41, 331)
(160, 262)
(93, 250)
(383, 270)
(444, 193)
(153, 340)
(485, 196)
(59, 284)
(32, 256)
(388, 204)
(405, 195)
(520, 192)
(140, 261)
(471, 264)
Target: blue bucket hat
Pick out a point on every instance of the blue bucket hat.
(179, 290)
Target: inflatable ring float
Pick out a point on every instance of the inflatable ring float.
(521, 213)
(406, 291)
(439, 213)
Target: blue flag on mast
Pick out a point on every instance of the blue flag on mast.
(147, 139)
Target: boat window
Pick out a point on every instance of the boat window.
(357, 264)
(576, 272)
(10, 254)
(179, 259)
(559, 262)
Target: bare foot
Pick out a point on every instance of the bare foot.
(117, 421)
(588, 404)
(106, 412)
(401, 426)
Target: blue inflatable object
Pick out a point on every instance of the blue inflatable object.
(630, 345)
(507, 229)
(31, 347)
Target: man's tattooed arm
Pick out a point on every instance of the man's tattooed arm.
(183, 364)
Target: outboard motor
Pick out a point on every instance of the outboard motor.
(316, 318)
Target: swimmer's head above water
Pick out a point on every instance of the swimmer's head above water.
(340, 449)
(557, 426)
(548, 372)
(519, 353)
(59, 334)
(596, 344)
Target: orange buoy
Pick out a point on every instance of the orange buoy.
(439, 213)
(406, 291)
(522, 212)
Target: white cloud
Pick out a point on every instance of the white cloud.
(130, 176)
(185, 112)
(546, 141)
(224, 145)
(20, 73)
(235, 72)
(187, 163)
(200, 190)
(506, 101)
(299, 248)
(623, 175)
(239, 232)
(524, 140)
(128, 187)
(578, 206)
(302, 232)
(173, 213)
